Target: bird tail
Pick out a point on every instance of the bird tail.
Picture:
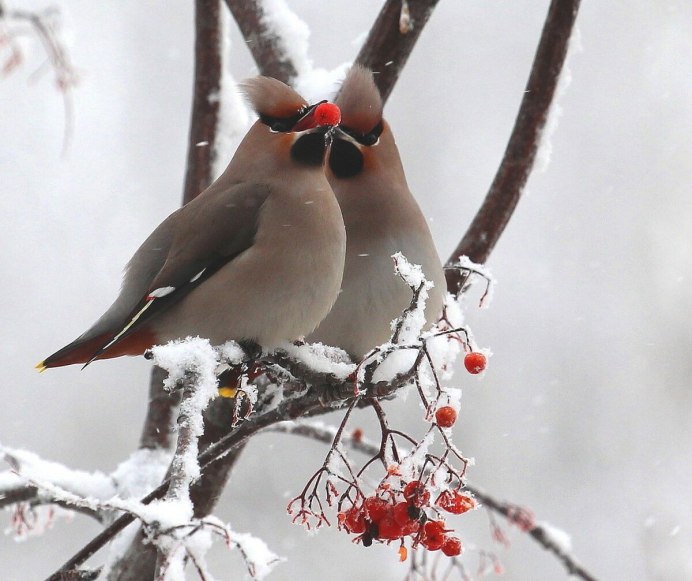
(86, 350)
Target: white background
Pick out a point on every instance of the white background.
(584, 413)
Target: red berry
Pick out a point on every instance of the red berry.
(451, 547)
(353, 520)
(416, 494)
(400, 513)
(327, 114)
(433, 535)
(475, 362)
(446, 416)
(376, 508)
(389, 530)
(452, 501)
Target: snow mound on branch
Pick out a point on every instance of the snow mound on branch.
(322, 358)
(28, 466)
(257, 554)
(141, 472)
(557, 536)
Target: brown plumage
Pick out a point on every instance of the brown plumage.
(257, 256)
(381, 217)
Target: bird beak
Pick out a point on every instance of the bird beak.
(338, 133)
(322, 114)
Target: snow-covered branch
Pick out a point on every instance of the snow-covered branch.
(511, 177)
(268, 47)
(392, 38)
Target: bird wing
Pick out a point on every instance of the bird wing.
(207, 233)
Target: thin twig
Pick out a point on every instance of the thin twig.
(507, 510)
(58, 57)
(511, 177)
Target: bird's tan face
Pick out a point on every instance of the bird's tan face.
(304, 132)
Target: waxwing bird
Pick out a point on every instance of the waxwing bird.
(381, 217)
(257, 256)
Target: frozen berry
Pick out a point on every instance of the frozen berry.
(353, 520)
(433, 535)
(475, 362)
(389, 529)
(451, 547)
(401, 514)
(376, 508)
(454, 502)
(446, 416)
(416, 494)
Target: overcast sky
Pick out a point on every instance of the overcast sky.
(584, 413)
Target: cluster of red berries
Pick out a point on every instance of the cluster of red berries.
(404, 515)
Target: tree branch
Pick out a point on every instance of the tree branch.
(312, 402)
(206, 97)
(264, 44)
(392, 38)
(510, 179)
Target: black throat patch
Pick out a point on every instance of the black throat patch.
(345, 159)
(309, 149)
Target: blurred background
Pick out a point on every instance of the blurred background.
(584, 412)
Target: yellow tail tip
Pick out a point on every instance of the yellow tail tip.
(229, 392)
(40, 367)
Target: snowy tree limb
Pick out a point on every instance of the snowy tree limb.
(206, 98)
(502, 198)
(508, 510)
(199, 387)
(311, 402)
(392, 38)
(264, 43)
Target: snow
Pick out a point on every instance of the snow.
(231, 353)
(29, 467)
(411, 463)
(292, 33)
(191, 363)
(318, 83)
(557, 537)
(188, 355)
(545, 147)
(484, 272)
(143, 471)
(257, 554)
(322, 358)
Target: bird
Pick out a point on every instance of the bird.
(258, 256)
(381, 217)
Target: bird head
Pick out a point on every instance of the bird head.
(287, 122)
(361, 126)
